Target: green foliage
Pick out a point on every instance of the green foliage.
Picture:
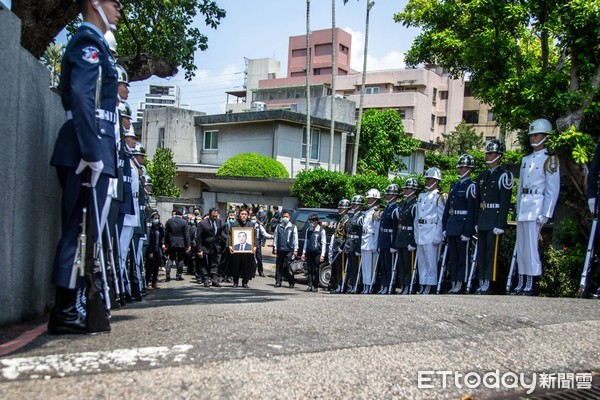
(382, 140)
(162, 170)
(363, 182)
(321, 188)
(463, 139)
(575, 144)
(156, 36)
(253, 165)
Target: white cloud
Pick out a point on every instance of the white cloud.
(391, 60)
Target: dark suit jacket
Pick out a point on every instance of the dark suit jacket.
(247, 247)
(177, 233)
(152, 238)
(207, 238)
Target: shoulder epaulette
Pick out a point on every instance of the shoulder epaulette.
(506, 180)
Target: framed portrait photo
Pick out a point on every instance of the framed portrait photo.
(242, 239)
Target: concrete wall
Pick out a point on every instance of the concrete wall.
(30, 214)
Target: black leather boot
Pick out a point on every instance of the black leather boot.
(67, 315)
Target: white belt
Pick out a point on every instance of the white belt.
(457, 212)
(484, 205)
(354, 236)
(387, 230)
(406, 228)
(100, 114)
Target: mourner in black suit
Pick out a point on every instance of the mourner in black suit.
(210, 236)
(177, 241)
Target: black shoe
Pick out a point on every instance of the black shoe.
(216, 284)
(168, 278)
(65, 316)
(597, 294)
(309, 289)
(179, 278)
(527, 293)
(291, 285)
(206, 283)
(315, 289)
(245, 285)
(235, 284)
(262, 274)
(517, 292)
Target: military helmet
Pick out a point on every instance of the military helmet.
(411, 183)
(123, 75)
(434, 173)
(465, 160)
(358, 199)
(125, 110)
(392, 189)
(495, 146)
(373, 194)
(139, 150)
(112, 42)
(344, 203)
(541, 125)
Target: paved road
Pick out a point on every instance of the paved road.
(185, 341)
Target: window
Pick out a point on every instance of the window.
(488, 138)
(402, 113)
(315, 139)
(468, 90)
(432, 121)
(443, 95)
(490, 116)
(434, 96)
(317, 71)
(211, 140)
(372, 90)
(442, 120)
(161, 138)
(299, 53)
(343, 49)
(471, 117)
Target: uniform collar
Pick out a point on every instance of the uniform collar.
(95, 29)
(464, 179)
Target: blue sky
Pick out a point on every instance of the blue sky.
(261, 28)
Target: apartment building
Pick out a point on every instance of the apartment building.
(160, 96)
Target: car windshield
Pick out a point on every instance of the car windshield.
(327, 219)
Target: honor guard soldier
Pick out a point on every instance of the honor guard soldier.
(428, 229)
(388, 228)
(494, 189)
(368, 246)
(458, 222)
(539, 185)
(352, 245)
(86, 142)
(337, 257)
(405, 238)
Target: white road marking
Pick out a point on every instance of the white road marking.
(59, 365)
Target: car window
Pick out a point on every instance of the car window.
(300, 219)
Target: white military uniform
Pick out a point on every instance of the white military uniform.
(428, 234)
(539, 184)
(368, 245)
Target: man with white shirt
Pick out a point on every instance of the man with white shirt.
(539, 184)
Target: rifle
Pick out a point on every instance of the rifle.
(473, 265)
(99, 253)
(587, 265)
(78, 269)
(394, 265)
(443, 267)
(358, 273)
(414, 275)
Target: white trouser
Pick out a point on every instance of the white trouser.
(528, 255)
(368, 266)
(427, 263)
(125, 240)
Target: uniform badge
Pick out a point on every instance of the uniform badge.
(90, 54)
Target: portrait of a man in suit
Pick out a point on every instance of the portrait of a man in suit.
(242, 242)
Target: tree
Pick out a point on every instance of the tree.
(52, 59)
(321, 188)
(253, 165)
(382, 142)
(461, 140)
(162, 170)
(527, 60)
(155, 37)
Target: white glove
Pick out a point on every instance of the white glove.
(476, 229)
(357, 254)
(393, 251)
(95, 166)
(592, 205)
(464, 238)
(542, 219)
(410, 248)
(444, 234)
(498, 231)
(436, 242)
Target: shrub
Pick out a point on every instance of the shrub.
(253, 165)
(321, 188)
(363, 182)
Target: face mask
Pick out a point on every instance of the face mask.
(155, 221)
(231, 221)
(196, 213)
(285, 220)
(192, 222)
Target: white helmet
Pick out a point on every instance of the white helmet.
(112, 42)
(541, 125)
(123, 75)
(125, 110)
(373, 194)
(434, 173)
